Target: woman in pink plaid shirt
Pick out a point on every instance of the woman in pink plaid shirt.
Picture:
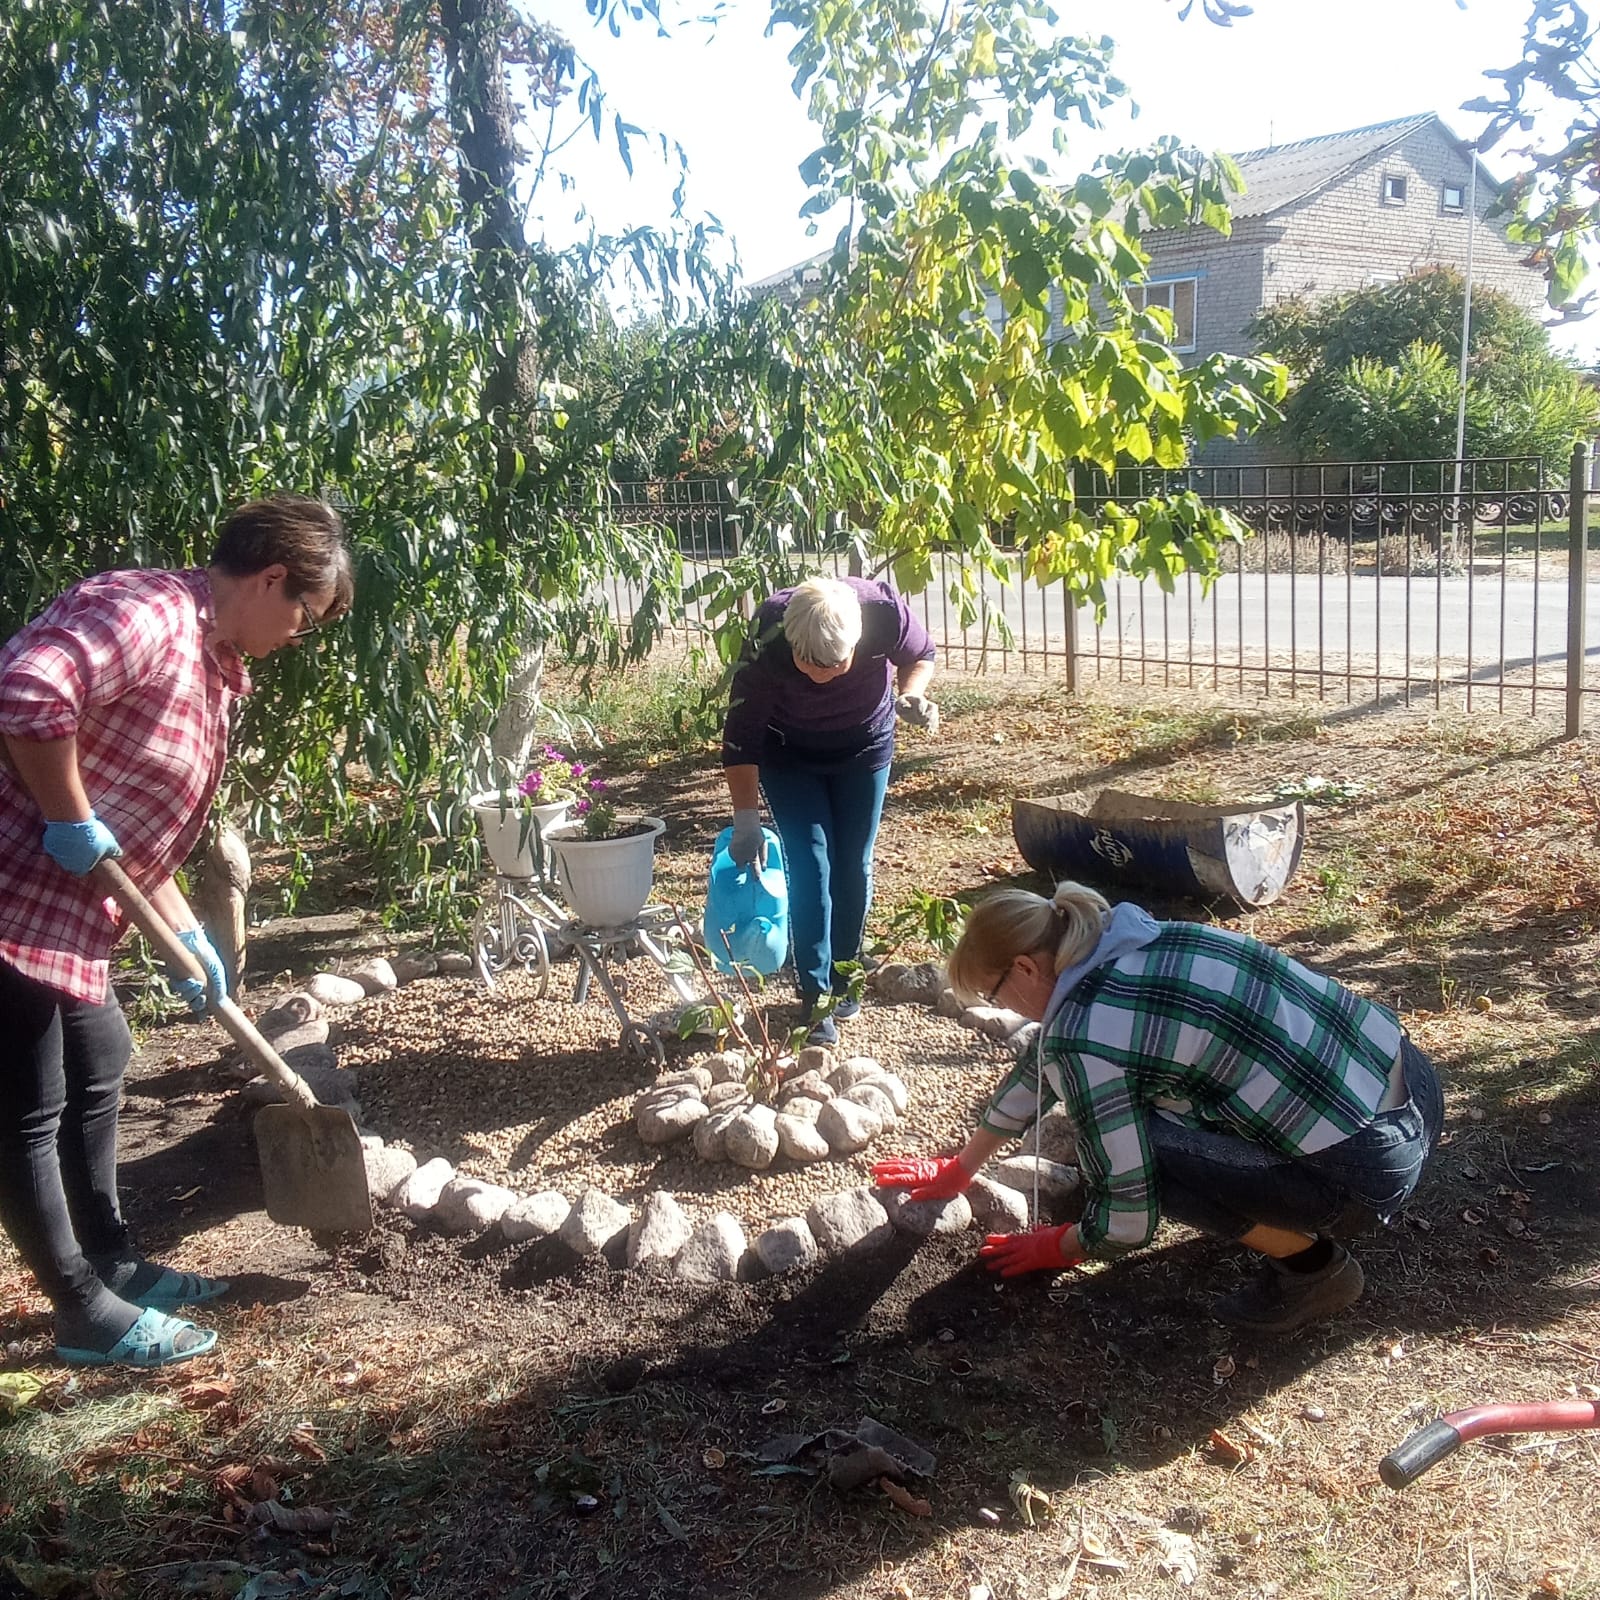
(114, 713)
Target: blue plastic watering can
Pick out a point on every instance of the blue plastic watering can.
(750, 907)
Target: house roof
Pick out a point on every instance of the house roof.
(1284, 173)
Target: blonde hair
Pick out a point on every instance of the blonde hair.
(1016, 922)
(822, 622)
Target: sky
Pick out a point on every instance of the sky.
(1291, 70)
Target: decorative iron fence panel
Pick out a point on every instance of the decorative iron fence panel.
(1440, 582)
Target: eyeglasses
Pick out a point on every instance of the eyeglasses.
(311, 627)
(1000, 983)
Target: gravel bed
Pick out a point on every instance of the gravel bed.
(535, 1094)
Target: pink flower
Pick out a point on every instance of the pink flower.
(532, 784)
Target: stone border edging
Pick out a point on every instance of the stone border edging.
(717, 1249)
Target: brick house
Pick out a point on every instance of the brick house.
(1322, 216)
(1325, 215)
(1317, 217)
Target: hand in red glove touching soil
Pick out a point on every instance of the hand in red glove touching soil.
(1037, 1250)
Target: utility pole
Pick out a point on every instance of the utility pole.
(1466, 325)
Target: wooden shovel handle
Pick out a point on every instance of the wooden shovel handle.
(177, 955)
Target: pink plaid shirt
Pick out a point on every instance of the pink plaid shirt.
(127, 662)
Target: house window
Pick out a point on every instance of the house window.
(1177, 296)
(1452, 198)
(1394, 190)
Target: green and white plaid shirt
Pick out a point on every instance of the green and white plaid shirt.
(1212, 1028)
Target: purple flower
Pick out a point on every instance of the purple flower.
(598, 786)
(582, 808)
(532, 784)
(577, 769)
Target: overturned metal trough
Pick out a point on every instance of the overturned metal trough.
(1242, 852)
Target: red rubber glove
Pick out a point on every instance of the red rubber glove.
(1037, 1250)
(938, 1178)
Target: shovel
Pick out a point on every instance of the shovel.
(312, 1168)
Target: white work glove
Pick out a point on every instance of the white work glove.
(748, 846)
(918, 710)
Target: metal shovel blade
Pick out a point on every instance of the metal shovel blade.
(313, 1173)
(312, 1169)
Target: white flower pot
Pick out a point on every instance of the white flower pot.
(507, 823)
(605, 881)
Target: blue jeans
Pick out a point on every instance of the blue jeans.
(827, 817)
(1225, 1185)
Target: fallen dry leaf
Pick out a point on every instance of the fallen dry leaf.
(904, 1498)
(303, 1442)
(207, 1392)
(295, 1519)
(1224, 1369)
(713, 1458)
(1179, 1558)
(1025, 1497)
(1232, 1452)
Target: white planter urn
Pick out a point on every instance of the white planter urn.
(605, 881)
(511, 828)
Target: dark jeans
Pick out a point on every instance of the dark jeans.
(61, 1067)
(827, 818)
(1225, 1185)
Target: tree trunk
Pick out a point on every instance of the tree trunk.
(511, 738)
(484, 123)
(485, 129)
(219, 899)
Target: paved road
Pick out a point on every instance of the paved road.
(1463, 624)
(1474, 622)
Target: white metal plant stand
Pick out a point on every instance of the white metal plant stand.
(521, 926)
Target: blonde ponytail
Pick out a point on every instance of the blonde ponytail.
(1016, 922)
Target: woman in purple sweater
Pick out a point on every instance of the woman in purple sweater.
(810, 724)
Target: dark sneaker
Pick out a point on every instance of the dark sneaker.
(823, 1032)
(846, 1008)
(1278, 1300)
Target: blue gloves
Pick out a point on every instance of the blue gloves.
(194, 994)
(79, 847)
(748, 846)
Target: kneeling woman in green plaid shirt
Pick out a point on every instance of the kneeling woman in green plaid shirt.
(1208, 1079)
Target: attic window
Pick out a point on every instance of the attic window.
(1394, 190)
(1451, 197)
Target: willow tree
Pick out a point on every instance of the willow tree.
(255, 246)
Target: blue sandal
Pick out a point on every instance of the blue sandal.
(151, 1342)
(173, 1289)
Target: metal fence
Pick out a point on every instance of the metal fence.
(1440, 582)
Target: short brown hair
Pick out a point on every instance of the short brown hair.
(294, 531)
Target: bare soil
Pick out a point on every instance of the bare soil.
(456, 1418)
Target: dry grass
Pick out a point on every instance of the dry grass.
(449, 1403)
